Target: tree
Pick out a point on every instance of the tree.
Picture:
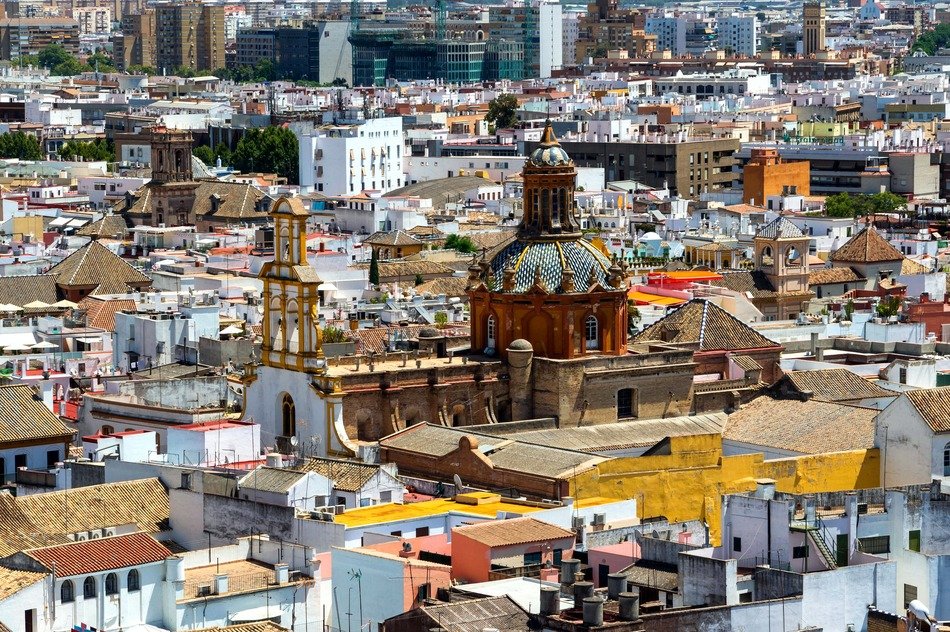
(53, 55)
(888, 306)
(374, 268)
(69, 68)
(419, 280)
(96, 150)
(204, 153)
(20, 145)
(848, 205)
(441, 320)
(839, 205)
(140, 70)
(849, 309)
(503, 111)
(101, 62)
(460, 243)
(932, 41)
(886, 202)
(270, 150)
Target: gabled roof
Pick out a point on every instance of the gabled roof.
(14, 580)
(779, 228)
(103, 554)
(111, 226)
(755, 282)
(24, 417)
(933, 405)
(496, 533)
(826, 276)
(94, 265)
(811, 427)
(392, 238)
(835, 385)
(499, 613)
(706, 324)
(347, 476)
(866, 247)
(271, 479)
(20, 290)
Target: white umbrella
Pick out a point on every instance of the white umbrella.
(326, 286)
(231, 330)
(16, 347)
(44, 345)
(36, 305)
(66, 303)
(10, 307)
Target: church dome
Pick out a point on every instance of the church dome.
(561, 267)
(549, 153)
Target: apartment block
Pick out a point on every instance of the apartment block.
(135, 45)
(190, 35)
(28, 36)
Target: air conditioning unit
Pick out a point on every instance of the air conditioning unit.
(599, 520)
(577, 522)
(108, 533)
(95, 535)
(204, 590)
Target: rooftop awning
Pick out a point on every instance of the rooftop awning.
(261, 613)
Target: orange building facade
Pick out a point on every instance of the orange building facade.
(548, 286)
(766, 174)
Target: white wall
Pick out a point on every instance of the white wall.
(906, 444)
(142, 606)
(204, 447)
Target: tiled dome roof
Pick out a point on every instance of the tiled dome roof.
(547, 261)
(549, 153)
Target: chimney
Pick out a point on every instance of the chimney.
(281, 574)
(593, 611)
(629, 606)
(550, 601)
(46, 390)
(616, 584)
(274, 459)
(568, 568)
(582, 590)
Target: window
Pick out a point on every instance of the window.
(625, 403)
(913, 540)
(490, 331)
(289, 416)
(52, 457)
(875, 545)
(910, 593)
(737, 544)
(19, 461)
(421, 531)
(112, 584)
(799, 552)
(89, 588)
(67, 592)
(133, 583)
(591, 333)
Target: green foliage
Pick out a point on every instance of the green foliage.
(932, 41)
(140, 70)
(848, 205)
(374, 268)
(849, 309)
(101, 62)
(441, 320)
(460, 243)
(333, 335)
(100, 149)
(419, 280)
(503, 111)
(203, 153)
(888, 306)
(54, 55)
(269, 150)
(264, 70)
(183, 71)
(210, 156)
(20, 145)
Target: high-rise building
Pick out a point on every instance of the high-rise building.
(190, 35)
(686, 34)
(519, 23)
(738, 35)
(295, 52)
(28, 36)
(135, 45)
(813, 32)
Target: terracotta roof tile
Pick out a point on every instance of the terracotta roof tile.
(833, 275)
(933, 404)
(811, 427)
(866, 247)
(95, 556)
(779, 228)
(348, 476)
(94, 264)
(101, 312)
(24, 417)
(497, 533)
(20, 290)
(13, 580)
(706, 324)
(756, 283)
(110, 226)
(392, 238)
(835, 385)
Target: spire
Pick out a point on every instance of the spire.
(548, 139)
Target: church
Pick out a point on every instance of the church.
(549, 338)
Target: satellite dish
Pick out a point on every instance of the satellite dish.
(293, 441)
(458, 483)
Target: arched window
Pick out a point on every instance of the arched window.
(591, 333)
(133, 583)
(89, 588)
(490, 329)
(67, 592)
(112, 584)
(107, 430)
(288, 416)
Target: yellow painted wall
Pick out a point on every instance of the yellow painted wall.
(688, 484)
(32, 225)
